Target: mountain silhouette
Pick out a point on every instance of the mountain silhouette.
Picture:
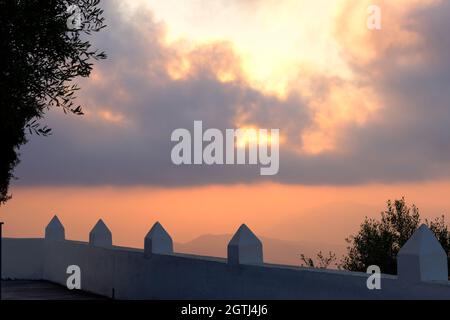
(275, 250)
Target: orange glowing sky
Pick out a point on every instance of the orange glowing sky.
(318, 214)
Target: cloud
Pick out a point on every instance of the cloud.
(388, 122)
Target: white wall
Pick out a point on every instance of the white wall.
(133, 274)
(22, 258)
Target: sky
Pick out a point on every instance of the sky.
(363, 117)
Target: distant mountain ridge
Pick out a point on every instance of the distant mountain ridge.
(275, 250)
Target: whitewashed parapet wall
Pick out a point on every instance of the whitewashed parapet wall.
(156, 272)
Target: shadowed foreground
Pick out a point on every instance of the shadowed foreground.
(42, 290)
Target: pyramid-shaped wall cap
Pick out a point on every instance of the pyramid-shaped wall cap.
(245, 247)
(55, 230)
(158, 241)
(422, 258)
(100, 235)
(423, 241)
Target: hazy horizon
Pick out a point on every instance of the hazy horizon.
(291, 213)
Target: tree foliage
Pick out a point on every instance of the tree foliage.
(41, 55)
(379, 241)
(321, 262)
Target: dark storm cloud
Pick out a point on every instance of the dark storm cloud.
(408, 140)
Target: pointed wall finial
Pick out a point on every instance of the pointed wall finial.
(100, 235)
(157, 240)
(422, 258)
(55, 230)
(245, 247)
